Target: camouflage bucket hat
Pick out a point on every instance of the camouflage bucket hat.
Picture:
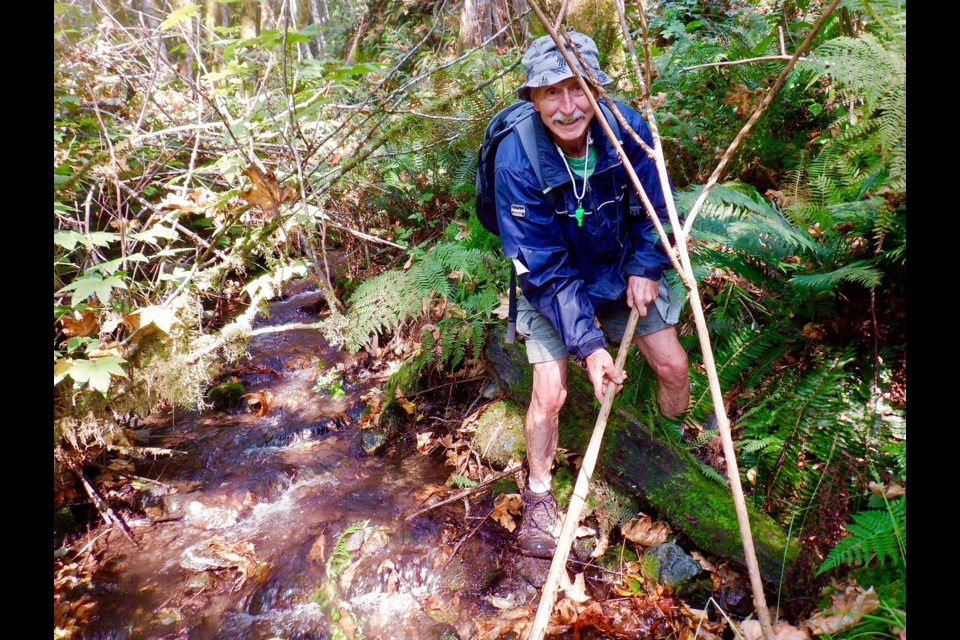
(545, 64)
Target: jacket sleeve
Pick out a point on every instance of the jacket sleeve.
(647, 258)
(531, 237)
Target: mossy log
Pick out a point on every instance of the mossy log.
(660, 474)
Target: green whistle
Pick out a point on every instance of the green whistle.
(578, 214)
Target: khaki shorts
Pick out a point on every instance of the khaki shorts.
(544, 345)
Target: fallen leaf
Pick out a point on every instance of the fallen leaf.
(392, 578)
(425, 442)
(456, 274)
(266, 191)
(80, 325)
(505, 507)
(781, 631)
(317, 552)
(644, 531)
(346, 623)
(601, 548)
(566, 611)
(259, 402)
(408, 406)
(463, 231)
(893, 490)
(845, 611)
(503, 309)
(576, 590)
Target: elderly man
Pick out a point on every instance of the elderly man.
(585, 252)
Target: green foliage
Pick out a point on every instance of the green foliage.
(874, 534)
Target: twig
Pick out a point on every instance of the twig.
(730, 63)
(460, 542)
(466, 492)
(445, 384)
(106, 512)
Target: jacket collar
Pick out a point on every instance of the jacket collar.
(552, 165)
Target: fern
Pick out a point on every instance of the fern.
(875, 534)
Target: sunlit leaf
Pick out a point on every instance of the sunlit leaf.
(179, 16)
(505, 507)
(159, 317)
(92, 285)
(84, 324)
(97, 373)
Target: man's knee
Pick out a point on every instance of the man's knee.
(549, 398)
(672, 366)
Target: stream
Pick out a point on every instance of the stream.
(278, 526)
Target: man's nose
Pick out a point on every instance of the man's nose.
(567, 103)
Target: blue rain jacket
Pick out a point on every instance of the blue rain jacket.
(569, 273)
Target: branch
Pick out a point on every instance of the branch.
(463, 494)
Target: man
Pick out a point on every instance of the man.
(584, 249)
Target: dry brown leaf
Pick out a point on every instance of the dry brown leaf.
(80, 325)
(107, 348)
(463, 230)
(566, 611)
(266, 192)
(346, 623)
(503, 309)
(425, 442)
(456, 274)
(318, 552)
(846, 610)
(893, 490)
(644, 531)
(505, 507)
(424, 494)
(576, 590)
(782, 631)
(602, 544)
(258, 402)
(442, 556)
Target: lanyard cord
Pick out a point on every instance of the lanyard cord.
(578, 214)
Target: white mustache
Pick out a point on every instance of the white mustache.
(573, 117)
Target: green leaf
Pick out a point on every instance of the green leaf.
(97, 372)
(111, 266)
(154, 232)
(61, 368)
(90, 285)
(179, 16)
(67, 239)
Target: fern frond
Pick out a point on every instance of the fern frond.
(860, 272)
(879, 534)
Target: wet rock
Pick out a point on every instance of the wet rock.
(533, 570)
(371, 441)
(669, 564)
(356, 410)
(736, 597)
(198, 582)
(299, 433)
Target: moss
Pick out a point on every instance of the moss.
(499, 434)
(226, 395)
(504, 485)
(563, 484)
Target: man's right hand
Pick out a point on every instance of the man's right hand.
(602, 371)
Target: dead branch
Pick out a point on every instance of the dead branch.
(727, 63)
(467, 492)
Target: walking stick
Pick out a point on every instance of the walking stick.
(548, 595)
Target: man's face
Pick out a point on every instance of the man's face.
(566, 112)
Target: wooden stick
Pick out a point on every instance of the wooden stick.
(466, 492)
(571, 520)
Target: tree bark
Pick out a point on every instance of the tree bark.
(660, 474)
(480, 19)
(249, 23)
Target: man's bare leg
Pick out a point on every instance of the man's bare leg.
(541, 425)
(668, 360)
(535, 536)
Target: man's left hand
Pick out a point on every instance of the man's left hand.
(641, 292)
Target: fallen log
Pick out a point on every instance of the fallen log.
(659, 473)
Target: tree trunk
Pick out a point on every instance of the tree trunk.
(249, 22)
(480, 19)
(661, 474)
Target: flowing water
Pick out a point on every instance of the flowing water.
(240, 538)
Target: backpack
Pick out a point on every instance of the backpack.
(519, 116)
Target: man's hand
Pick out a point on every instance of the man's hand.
(601, 369)
(641, 292)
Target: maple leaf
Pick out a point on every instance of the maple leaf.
(97, 373)
(503, 309)
(317, 552)
(505, 507)
(266, 191)
(408, 406)
(576, 590)
(425, 442)
(85, 324)
(90, 285)
(846, 610)
(643, 531)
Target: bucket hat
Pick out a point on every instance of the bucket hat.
(545, 64)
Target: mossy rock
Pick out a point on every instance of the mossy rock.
(226, 395)
(499, 434)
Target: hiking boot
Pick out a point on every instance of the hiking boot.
(535, 536)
